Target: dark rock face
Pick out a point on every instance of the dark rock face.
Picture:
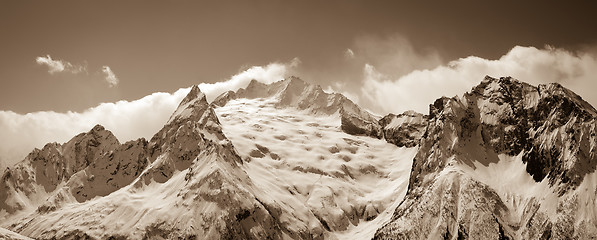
(52, 165)
(358, 125)
(552, 126)
(111, 172)
(553, 129)
(404, 130)
(191, 129)
(560, 141)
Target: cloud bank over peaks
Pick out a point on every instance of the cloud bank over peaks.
(128, 120)
(384, 92)
(270, 73)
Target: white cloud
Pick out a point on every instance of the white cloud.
(349, 54)
(295, 62)
(55, 66)
(58, 66)
(272, 72)
(128, 120)
(416, 90)
(109, 76)
(394, 55)
(381, 90)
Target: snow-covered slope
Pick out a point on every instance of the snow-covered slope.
(192, 186)
(10, 235)
(471, 161)
(314, 170)
(294, 92)
(289, 172)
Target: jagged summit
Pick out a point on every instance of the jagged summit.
(97, 133)
(43, 171)
(194, 93)
(540, 121)
(224, 98)
(508, 116)
(192, 105)
(98, 128)
(293, 92)
(257, 89)
(508, 87)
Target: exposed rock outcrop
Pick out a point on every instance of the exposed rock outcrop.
(29, 182)
(405, 129)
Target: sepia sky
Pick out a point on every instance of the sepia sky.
(153, 46)
(68, 65)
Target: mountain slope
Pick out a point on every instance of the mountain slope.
(343, 182)
(7, 234)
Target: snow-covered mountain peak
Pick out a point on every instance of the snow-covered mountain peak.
(84, 148)
(293, 92)
(296, 93)
(193, 105)
(544, 97)
(97, 133)
(224, 98)
(193, 95)
(44, 171)
(506, 116)
(257, 89)
(543, 137)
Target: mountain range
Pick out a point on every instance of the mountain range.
(288, 160)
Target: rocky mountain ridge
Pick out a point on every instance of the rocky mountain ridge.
(403, 129)
(549, 128)
(189, 164)
(506, 160)
(46, 170)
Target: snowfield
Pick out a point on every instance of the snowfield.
(352, 183)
